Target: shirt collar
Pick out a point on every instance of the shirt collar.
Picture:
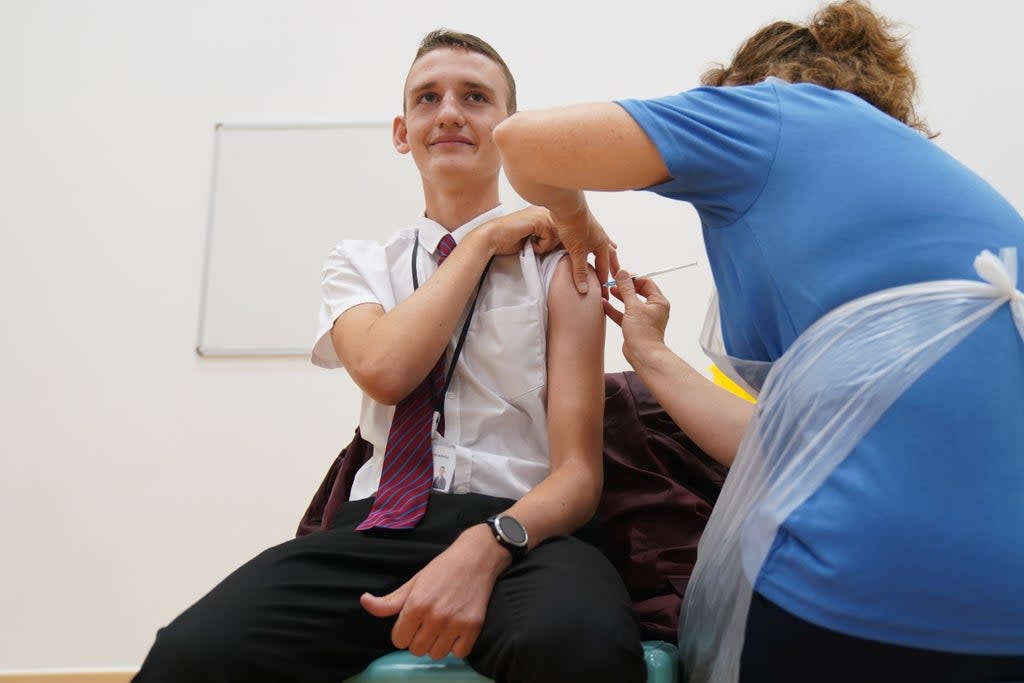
(432, 232)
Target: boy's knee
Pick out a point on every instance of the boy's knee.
(559, 651)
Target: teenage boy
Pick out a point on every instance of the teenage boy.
(472, 351)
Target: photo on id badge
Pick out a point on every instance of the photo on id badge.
(443, 471)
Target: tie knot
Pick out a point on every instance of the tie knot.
(444, 248)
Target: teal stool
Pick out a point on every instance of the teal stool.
(662, 661)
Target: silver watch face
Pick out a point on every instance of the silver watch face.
(511, 530)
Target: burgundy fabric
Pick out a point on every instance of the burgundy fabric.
(335, 487)
(659, 488)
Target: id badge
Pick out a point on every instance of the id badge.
(444, 459)
(444, 470)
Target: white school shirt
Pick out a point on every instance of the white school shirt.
(496, 433)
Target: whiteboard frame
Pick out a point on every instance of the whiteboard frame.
(206, 350)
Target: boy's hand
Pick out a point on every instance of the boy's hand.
(441, 609)
(506, 234)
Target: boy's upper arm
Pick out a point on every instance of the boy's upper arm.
(575, 361)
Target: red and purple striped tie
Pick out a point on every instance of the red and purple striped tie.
(408, 469)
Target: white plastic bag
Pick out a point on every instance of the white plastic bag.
(820, 398)
(749, 375)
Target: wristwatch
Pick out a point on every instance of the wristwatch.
(510, 534)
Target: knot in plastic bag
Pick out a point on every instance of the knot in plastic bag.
(1001, 273)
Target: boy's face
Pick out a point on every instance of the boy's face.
(453, 100)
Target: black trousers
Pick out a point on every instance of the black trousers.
(293, 613)
(779, 646)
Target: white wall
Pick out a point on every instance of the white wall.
(135, 475)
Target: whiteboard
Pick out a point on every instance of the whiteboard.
(283, 194)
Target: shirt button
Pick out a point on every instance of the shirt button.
(450, 395)
(461, 489)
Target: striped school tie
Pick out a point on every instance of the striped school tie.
(408, 469)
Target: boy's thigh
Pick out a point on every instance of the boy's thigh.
(561, 610)
(297, 604)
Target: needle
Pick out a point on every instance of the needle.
(611, 283)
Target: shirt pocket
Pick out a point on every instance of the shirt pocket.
(507, 350)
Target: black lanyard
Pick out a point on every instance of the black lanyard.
(439, 400)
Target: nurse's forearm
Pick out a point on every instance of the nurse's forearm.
(564, 203)
(714, 418)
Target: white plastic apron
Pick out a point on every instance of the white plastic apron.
(748, 374)
(822, 396)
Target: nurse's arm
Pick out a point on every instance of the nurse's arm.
(714, 418)
(551, 155)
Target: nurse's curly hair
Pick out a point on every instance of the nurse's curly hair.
(844, 46)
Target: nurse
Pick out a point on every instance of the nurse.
(823, 201)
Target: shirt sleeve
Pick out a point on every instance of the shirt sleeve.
(346, 281)
(548, 263)
(717, 142)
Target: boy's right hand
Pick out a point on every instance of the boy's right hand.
(506, 234)
(441, 609)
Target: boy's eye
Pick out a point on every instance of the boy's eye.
(428, 97)
(476, 97)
